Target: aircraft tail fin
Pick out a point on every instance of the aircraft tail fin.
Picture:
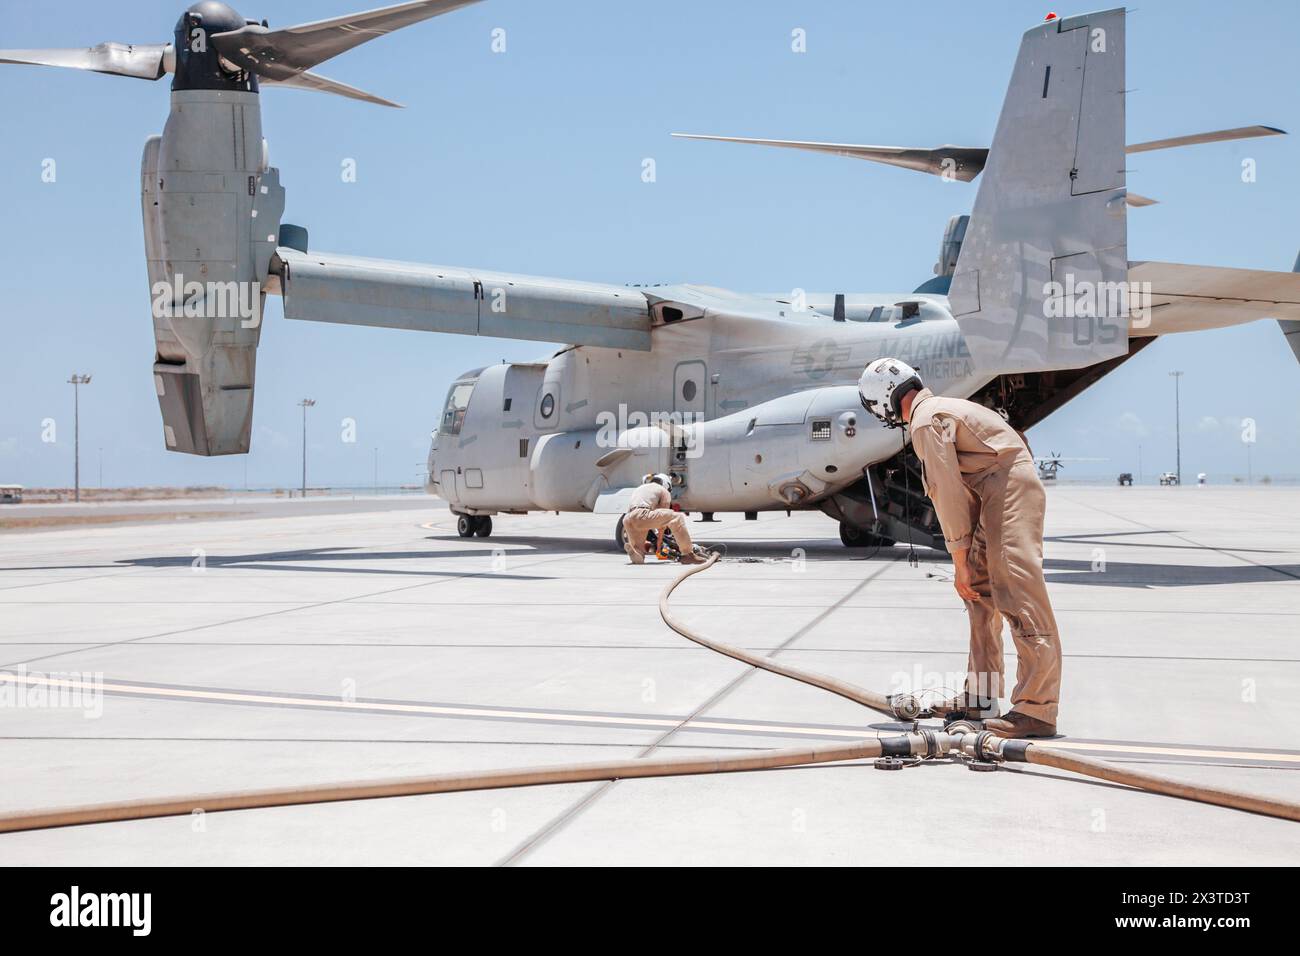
(1045, 253)
(1291, 327)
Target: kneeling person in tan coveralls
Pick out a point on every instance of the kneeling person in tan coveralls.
(650, 508)
(981, 477)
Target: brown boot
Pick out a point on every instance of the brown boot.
(690, 559)
(1016, 724)
(635, 553)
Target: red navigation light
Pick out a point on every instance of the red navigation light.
(1050, 16)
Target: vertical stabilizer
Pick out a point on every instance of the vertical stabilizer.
(1041, 279)
(1290, 327)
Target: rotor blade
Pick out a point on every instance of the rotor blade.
(323, 84)
(145, 61)
(956, 162)
(966, 162)
(279, 54)
(1218, 136)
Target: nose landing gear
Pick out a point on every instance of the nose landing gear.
(469, 526)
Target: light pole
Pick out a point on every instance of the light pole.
(305, 404)
(76, 381)
(1178, 430)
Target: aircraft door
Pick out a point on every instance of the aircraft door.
(690, 384)
(447, 485)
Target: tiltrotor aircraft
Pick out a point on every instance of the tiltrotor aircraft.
(750, 400)
(1049, 467)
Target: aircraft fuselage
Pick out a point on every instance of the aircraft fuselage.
(751, 412)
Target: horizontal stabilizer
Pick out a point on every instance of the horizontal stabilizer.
(323, 287)
(1190, 298)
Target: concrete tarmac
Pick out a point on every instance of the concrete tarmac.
(304, 645)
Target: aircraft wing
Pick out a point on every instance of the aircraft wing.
(1188, 298)
(324, 287)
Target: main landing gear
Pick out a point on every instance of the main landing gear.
(469, 526)
(853, 536)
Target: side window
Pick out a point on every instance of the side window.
(453, 413)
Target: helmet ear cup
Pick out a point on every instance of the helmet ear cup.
(903, 388)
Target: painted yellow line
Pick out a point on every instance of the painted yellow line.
(249, 697)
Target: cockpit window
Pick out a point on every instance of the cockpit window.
(453, 413)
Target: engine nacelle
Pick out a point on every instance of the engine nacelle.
(212, 208)
(784, 453)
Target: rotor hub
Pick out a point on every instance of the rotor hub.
(199, 64)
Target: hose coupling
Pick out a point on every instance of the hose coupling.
(988, 748)
(906, 706)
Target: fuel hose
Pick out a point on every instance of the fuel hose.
(859, 695)
(923, 744)
(447, 783)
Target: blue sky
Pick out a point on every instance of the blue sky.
(530, 161)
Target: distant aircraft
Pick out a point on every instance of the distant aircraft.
(1048, 467)
(749, 399)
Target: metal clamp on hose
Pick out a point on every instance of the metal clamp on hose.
(982, 758)
(932, 748)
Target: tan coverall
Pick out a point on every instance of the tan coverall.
(650, 507)
(981, 478)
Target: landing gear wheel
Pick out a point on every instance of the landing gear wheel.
(483, 526)
(466, 525)
(851, 536)
(618, 535)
